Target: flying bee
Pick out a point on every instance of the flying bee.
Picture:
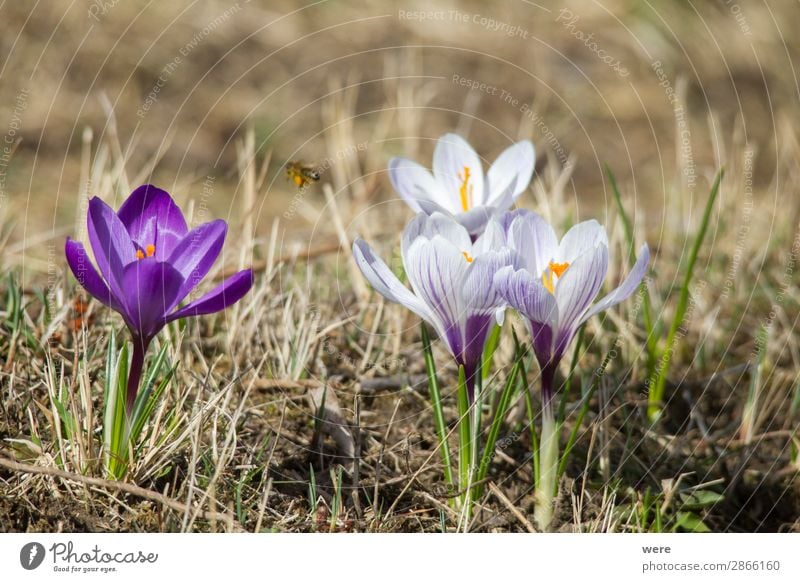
(301, 174)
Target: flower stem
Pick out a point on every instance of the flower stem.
(135, 372)
(547, 485)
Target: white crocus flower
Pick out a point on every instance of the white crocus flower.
(556, 287)
(554, 290)
(451, 280)
(457, 186)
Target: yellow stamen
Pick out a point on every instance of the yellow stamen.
(467, 256)
(150, 250)
(465, 190)
(556, 269)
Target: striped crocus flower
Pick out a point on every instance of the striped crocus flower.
(451, 280)
(457, 186)
(555, 290)
(149, 262)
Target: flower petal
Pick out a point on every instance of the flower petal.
(525, 293)
(493, 238)
(579, 239)
(196, 252)
(437, 224)
(152, 217)
(436, 269)
(532, 237)
(414, 182)
(626, 289)
(112, 247)
(87, 275)
(386, 283)
(576, 290)
(151, 292)
(514, 167)
(221, 297)
(450, 158)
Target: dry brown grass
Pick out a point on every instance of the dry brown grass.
(235, 445)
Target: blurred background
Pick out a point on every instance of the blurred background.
(96, 95)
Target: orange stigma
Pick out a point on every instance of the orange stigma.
(466, 189)
(556, 269)
(467, 256)
(149, 249)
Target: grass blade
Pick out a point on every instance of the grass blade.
(438, 411)
(656, 393)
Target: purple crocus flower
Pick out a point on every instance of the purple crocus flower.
(451, 277)
(556, 287)
(149, 261)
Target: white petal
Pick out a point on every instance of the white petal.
(579, 239)
(450, 158)
(513, 167)
(532, 237)
(385, 282)
(437, 224)
(493, 238)
(435, 269)
(478, 292)
(626, 289)
(413, 182)
(577, 288)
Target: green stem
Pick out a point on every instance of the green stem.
(547, 485)
(464, 441)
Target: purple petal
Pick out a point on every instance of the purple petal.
(196, 252)
(87, 275)
(476, 331)
(626, 289)
(525, 293)
(112, 246)
(223, 296)
(153, 218)
(151, 292)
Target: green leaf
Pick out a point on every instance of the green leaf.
(689, 522)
